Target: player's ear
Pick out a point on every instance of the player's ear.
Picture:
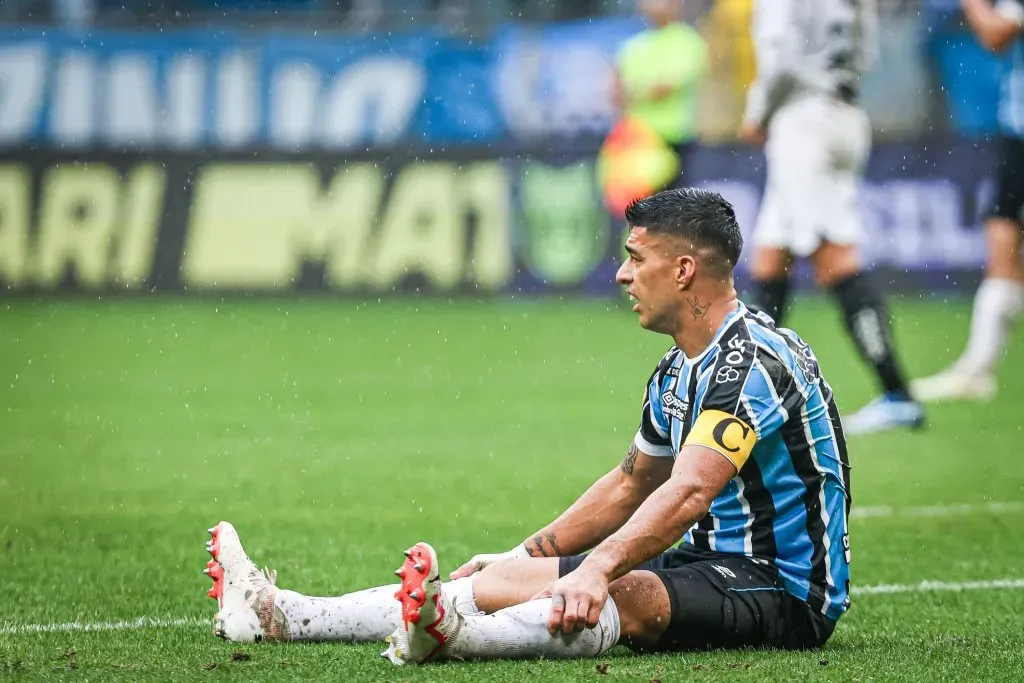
(686, 268)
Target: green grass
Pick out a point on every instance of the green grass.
(317, 427)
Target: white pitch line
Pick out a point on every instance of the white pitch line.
(150, 623)
(937, 510)
(132, 625)
(934, 586)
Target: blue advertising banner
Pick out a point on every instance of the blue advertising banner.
(220, 89)
(211, 90)
(555, 80)
(224, 90)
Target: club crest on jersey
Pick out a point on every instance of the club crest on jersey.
(675, 406)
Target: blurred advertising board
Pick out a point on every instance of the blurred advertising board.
(232, 90)
(455, 222)
(216, 89)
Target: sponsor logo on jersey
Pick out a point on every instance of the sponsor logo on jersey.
(675, 406)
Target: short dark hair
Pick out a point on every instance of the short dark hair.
(702, 217)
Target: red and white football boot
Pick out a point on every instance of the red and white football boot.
(429, 620)
(239, 587)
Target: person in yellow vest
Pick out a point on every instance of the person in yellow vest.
(657, 78)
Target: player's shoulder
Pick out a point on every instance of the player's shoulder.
(753, 346)
(768, 336)
(729, 360)
(750, 378)
(782, 351)
(737, 333)
(737, 344)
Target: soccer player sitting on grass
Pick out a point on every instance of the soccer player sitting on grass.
(724, 526)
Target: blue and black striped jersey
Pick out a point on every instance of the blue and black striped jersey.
(788, 505)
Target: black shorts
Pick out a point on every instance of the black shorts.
(1009, 201)
(722, 601)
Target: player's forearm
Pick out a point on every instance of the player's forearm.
(602, 509)
(656, 525)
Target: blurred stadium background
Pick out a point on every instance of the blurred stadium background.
(388, 212)
(195, 118)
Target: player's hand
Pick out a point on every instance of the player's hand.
(576, 600)
(478, 562)
(752, 133)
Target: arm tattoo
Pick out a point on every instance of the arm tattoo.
(630, 460)
(535, 546)
(554, 545)
(697, 309)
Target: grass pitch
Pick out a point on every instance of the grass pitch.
(335, 434)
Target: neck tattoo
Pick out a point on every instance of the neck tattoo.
(697, 309)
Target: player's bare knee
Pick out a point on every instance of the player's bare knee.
(644, 608)
(512, 582)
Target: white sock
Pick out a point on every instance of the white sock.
(366, 616)
(996, 304)
(521, 631)
(362, 617)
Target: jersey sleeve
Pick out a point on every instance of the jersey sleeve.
(653, 436)
(739, 406)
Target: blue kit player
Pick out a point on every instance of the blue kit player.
(724, 526)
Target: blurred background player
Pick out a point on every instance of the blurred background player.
(1000, 298)
(659, 73)
(657, 79)
(804, 106)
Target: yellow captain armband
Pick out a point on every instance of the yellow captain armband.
(725, 433)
